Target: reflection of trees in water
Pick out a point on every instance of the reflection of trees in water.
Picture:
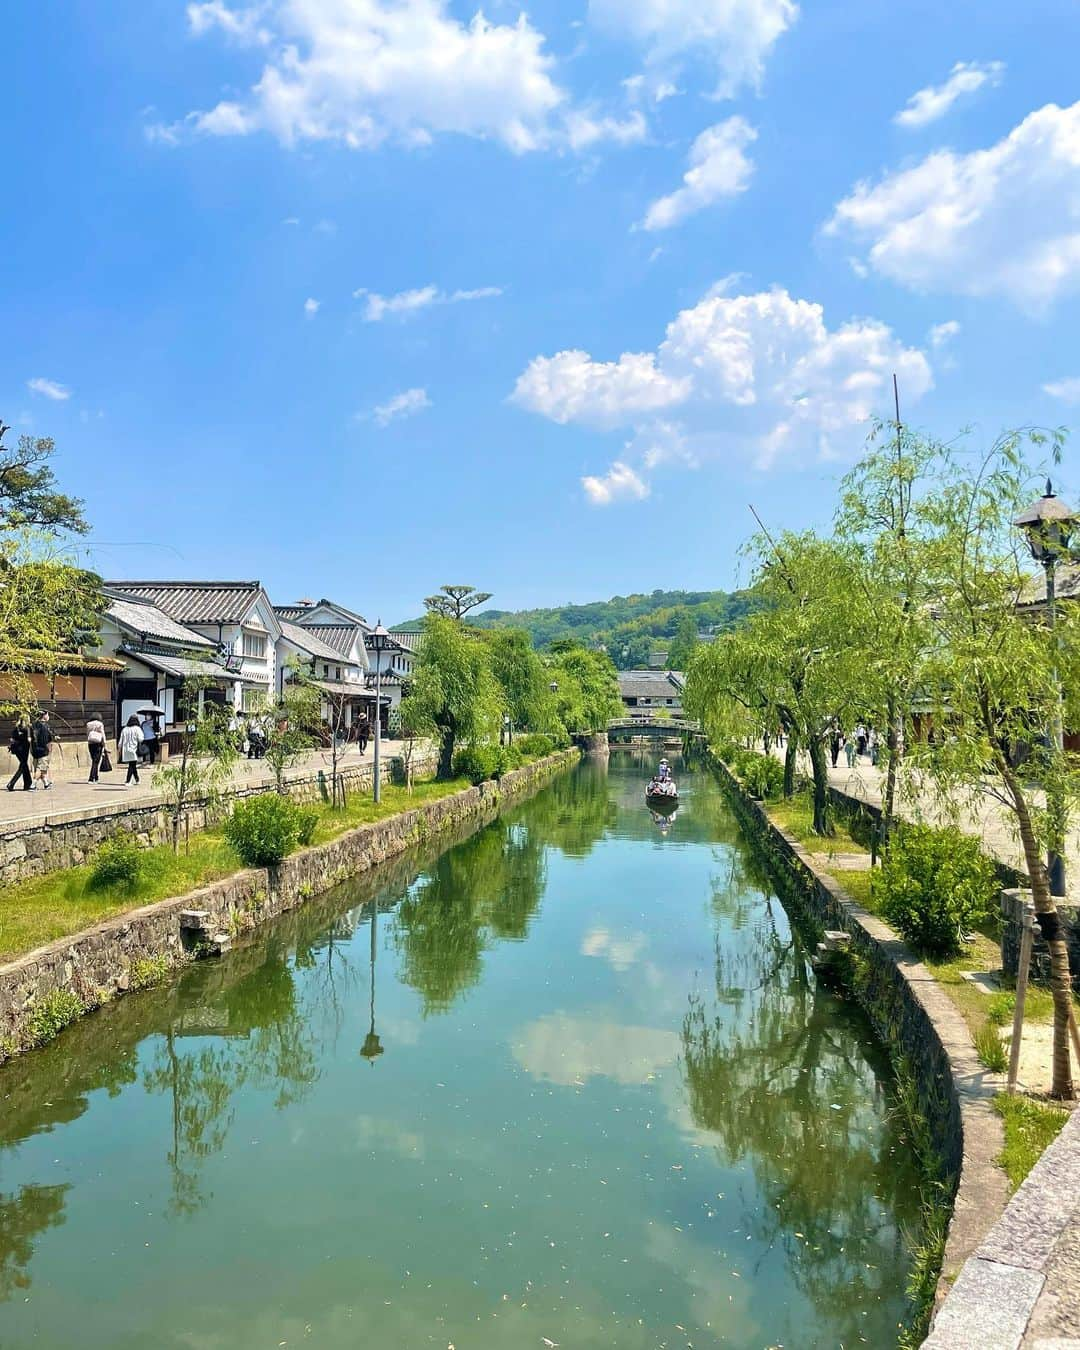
(23, 1217)
(779, 1076)
(488, 887)
(262, 1040)
(575, 810)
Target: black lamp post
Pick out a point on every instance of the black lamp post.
(379, 641)
(372, 1047)
(1048, 524)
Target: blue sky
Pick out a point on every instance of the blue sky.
(362, 296)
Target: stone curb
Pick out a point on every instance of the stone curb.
(956, 1091)
(102, 962)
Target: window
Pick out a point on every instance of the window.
(255, 645)
(326, 671)
(337, 672)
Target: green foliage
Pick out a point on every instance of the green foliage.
(535, 745)
(148, 971)
(118, 862)
(588, 689)
(263, 829)
(1029, 1128)
(52, 1014)
(523, 679)
(681, 651)
(934, 886)
(630, 627)
(991, 1049)
(761, 775)
(307, 820)
(480, 763)
(207, 753)
(27, 488)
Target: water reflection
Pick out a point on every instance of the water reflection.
(24, 1216)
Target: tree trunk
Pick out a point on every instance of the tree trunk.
(895, 742)
(791, 753)
(1060, 981)
(446, 748)
(818, 763)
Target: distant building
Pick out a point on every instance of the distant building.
(645, 692)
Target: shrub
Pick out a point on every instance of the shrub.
(263, 829)
(761, 775)
(535, 745)
(935, 886)
(478, 763)
(118, 862)
(307, 818)
(146, 971)
(52, 1015)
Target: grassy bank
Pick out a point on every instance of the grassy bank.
(62, 903)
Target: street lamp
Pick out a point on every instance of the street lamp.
(372, 1047)
(379, 641)
(554, 686)
(508, 728)
(1048, 524)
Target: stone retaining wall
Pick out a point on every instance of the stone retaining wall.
(915, 1018)
(67, 838)
(114, 956)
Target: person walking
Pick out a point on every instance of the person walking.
(41, 739)
(836, 740)
(95, 745)
(20, 748)
(149, 730)
(127, 747)
(872, 746)
(851, 748)
(363, 732)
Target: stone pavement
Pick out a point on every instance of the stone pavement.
(986, 818)
(72, 793)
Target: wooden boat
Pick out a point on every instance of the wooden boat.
(662, 794)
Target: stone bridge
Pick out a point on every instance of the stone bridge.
(647, 725)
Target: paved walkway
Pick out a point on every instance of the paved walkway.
(986, 818)
(72, 793)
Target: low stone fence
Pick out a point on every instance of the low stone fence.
(67, 838)
(116, 956)
(915, 1018)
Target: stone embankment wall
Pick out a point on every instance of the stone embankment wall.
(67, 838)
(915, 1018)
(110, 958)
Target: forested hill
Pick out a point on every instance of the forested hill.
(629, 626)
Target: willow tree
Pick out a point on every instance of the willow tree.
(454, 695)
(589, 676)
(993, 683)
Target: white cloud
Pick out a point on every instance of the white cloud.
(406, 303)
(943, 333)
(291, 220)
(311, 307)
(49, 389)
(732, 37)
(718, 168)
(569, 1050)
(402, 405)
(1068, 390)
(1004, 221)
(620, 952)
(572, 387)
(620, 483)
(244, 25)
(585, 130)
(759, 375)
(363, 71)
(928, 104)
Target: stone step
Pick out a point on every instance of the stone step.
(197, 919)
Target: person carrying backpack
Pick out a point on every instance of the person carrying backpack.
(20, 748)
(41, 739)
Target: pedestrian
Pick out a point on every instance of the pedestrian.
(256, 739)
(149, 730)
(127, 748)
(20, 748)
(872, 746)
(95, 745)
(41, 739)
(364, 732)
(860, 735)
(851, 748)
(836, 740)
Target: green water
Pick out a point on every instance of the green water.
(611, 1108)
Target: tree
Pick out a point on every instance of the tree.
(27, 488)
(289, 727)
(454, 602)
(576, 668)
(207, 754)
(681, 651)
(454, 695)
(991, 682)
(524, 680)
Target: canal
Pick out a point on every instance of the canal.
(577, 1087)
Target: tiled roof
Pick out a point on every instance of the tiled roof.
(291, 612)
(409, 638)
(1066, 585)
(339, 636)
(296, 612)
(650, 683)
(194, 601)
(308, 640)
(182, 665)
(146, 620)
